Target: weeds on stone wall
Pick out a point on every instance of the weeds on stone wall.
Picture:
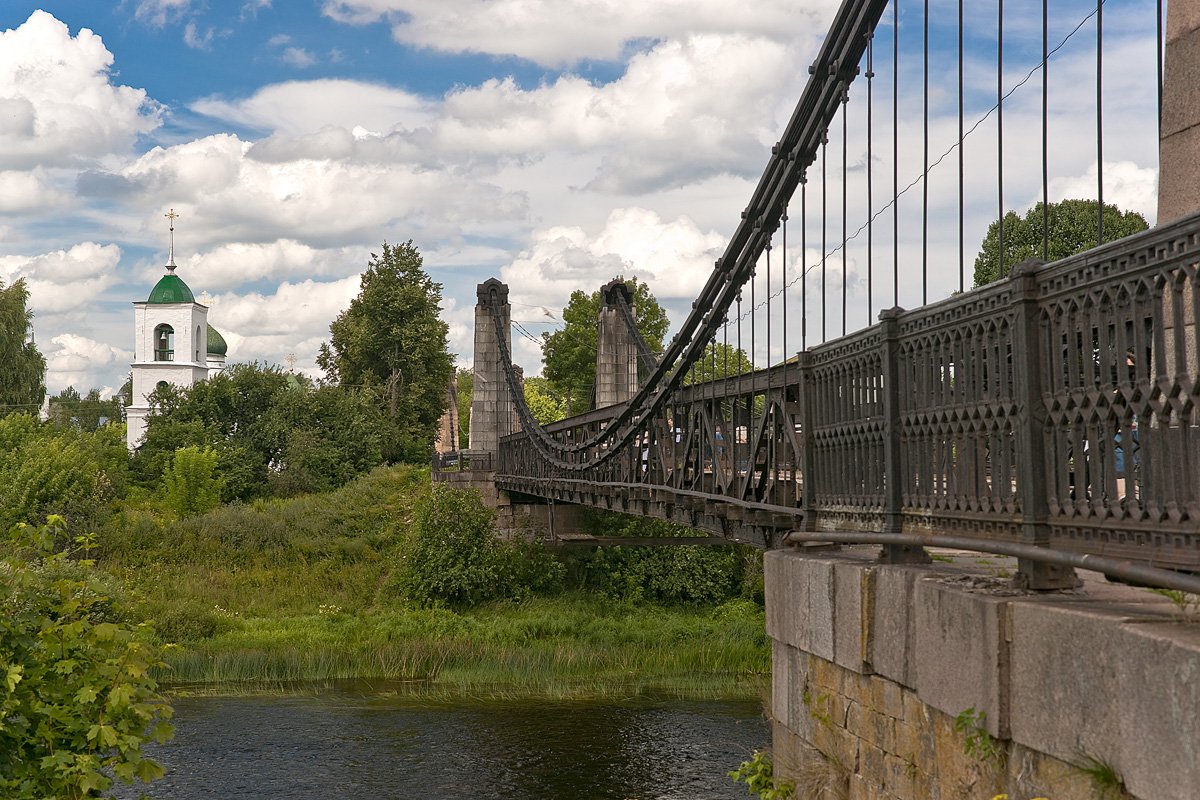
(977, 742)
(758, 773)
(1106, 782)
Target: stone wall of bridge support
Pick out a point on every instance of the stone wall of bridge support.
(873, 665)
(1179, 148)
(493, 415)
(616, 350)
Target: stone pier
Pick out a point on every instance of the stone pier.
(1179, 148)
(616, 351)
(492, 412)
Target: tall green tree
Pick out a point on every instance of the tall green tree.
(569, 354)
(1072, 230)
(22, 367)
(392, 340)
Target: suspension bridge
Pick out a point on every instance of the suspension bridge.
(1048, 415)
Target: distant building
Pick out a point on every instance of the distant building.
(173, 344)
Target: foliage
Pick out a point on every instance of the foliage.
(543, 403)
(977, 742)
(699, 575)
(392, 340)
(89, 412)
(272, 432)
(47, 470)
(759, 776)
(1187, 605)
(191, 484)
(719, 360)
(1105, 779)
(466, 390)
(569, 354)
(76, 694)
(22, 367)
(455, 559)
(1072, 230)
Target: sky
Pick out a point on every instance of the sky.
(551, 143)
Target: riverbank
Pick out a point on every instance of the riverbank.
(563, 648)
(287, 595)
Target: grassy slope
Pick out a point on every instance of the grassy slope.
(297, 590)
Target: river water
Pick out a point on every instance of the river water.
(345, 747)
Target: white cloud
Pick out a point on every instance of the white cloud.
(682, 112)
(64, 280)
(1126, 185)
(561, 32)
(675, 258)
(238, 263)
(29, 192)
(297, 57)
(81, 362)
(251, 8)
(302, 107)
(159, 12)
(321, 202)
(196, 40)
(294, 319)
(57, 104)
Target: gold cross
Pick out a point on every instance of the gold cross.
(172, 216)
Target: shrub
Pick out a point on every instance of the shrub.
(453, 557)
(191, 484)
(76, 694)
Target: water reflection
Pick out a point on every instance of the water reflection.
(332, 747)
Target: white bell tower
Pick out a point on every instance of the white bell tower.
(171, 335)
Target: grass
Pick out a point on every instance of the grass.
(295, 594)
(568, 647)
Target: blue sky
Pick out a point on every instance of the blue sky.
(551, 143)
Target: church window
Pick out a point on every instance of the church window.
(164, 343)
(197, 342)
(161, 385)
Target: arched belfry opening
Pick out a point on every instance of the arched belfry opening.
(164, 343)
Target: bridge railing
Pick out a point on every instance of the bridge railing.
(1055, 407)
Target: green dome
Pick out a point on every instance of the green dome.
(216, 342)
(171, 289)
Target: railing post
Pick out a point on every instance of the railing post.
(893, 496)
(1027, 358)
(807, 449)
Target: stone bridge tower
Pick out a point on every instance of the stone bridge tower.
(616, 351)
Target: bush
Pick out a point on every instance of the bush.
(698, 575)
(453, 557)
(191, 484)
(76, 694)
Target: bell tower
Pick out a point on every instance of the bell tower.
(171, 342)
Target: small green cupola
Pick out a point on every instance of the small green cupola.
(216, 343)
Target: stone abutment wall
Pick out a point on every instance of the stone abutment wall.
(912, 683)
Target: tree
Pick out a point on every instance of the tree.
(76, 693)
(22, 367)
(273, 433)
(47, 470)
(543, 403)
(569, 354)
(466, 390)
(87, 413)
(719, 360)
(392, 340)
(1072, 230)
